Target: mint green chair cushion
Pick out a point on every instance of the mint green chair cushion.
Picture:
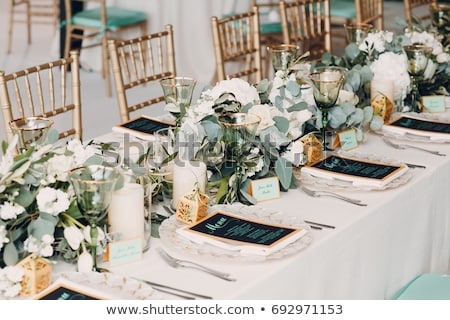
(116, 17)
(343, 9)
(426, 287)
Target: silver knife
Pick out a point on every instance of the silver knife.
(157, 286)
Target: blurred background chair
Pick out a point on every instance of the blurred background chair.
(31, 12)
(97, 23)
(48, 90)
(141, 61)
(271, 32)
(418, 9)
(355, 11)
(237, 46)
(306, 23)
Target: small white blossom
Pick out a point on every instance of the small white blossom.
(85, 262)
(58, 167)
(74, 236)
(3, 236)
(10, 278)
(52, 201)
(265, 113)
(294, 154)
(80, 152)
(87, 234)
(42, 248)
(10, 210)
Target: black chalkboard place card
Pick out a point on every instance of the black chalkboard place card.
(420, 126)
(143, 127)
(355, 171)
(237, 233)
(64, 289)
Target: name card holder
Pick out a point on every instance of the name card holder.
(265, 189)
(433, 104)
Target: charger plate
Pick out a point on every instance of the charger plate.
(307, 179)
(116, 285)
(173, 241)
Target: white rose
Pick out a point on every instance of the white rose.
(52, 201)
(58, 166)
(241, 89)
(264, 113)
(303, 115)
(443, 57)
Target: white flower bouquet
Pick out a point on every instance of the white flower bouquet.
(38, 211)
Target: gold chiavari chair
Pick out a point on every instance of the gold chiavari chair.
(355, 11)
(31, 12)
(98, 23)
(237, 46)
(412, 8)
(271, 32)
(141, 62)
(48, 90)
(306, 23)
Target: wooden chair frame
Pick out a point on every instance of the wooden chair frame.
(236, 39)
(411, 5)
(307, 23)
(33, 12)
(138, 62)
(76, 32)
(44, 90)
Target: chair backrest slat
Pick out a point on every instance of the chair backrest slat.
(141, 61)
(237, 46)
(306, 23)
(44, 91)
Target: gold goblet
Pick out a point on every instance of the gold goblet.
(93, 186)
(32, 131)
(282, 55)
(417, 56)
(356, 33)
(326, 82)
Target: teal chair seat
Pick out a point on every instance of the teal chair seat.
(426, 287)
(343, 9)
(116, 17)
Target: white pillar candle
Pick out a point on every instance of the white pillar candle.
(382, 87)
(187, 176)
(126, 212)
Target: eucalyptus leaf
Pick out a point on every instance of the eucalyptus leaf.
(293, 88)
(298, 107)
(281, 123)
(40, 227)
(25, 197)
(10, 254)
(283, 170)
(352, 51)
(336, 117)
(246, 198)
(52, 136)
(223, 190)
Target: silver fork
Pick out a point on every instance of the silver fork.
(176, 263)
(404, 146)
(318, 194)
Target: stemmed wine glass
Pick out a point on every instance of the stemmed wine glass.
(417, 56)
(326, 81)
(282, 55)
(178, 94)
(93, 186)
(32, 131)
(356, 33)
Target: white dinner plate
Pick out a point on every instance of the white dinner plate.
(173, 241)
(307, 179)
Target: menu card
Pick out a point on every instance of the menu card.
(237, 233)
(142, 127)
(355, 171)
(432, 129)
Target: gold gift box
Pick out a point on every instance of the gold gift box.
(192, 207)
(312, 148)
(37, 275)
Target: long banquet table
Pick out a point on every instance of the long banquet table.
(372, 252)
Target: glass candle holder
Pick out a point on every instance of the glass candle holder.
(178, 93)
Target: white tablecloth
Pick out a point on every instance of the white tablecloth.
(372, 253)
(192, 32)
